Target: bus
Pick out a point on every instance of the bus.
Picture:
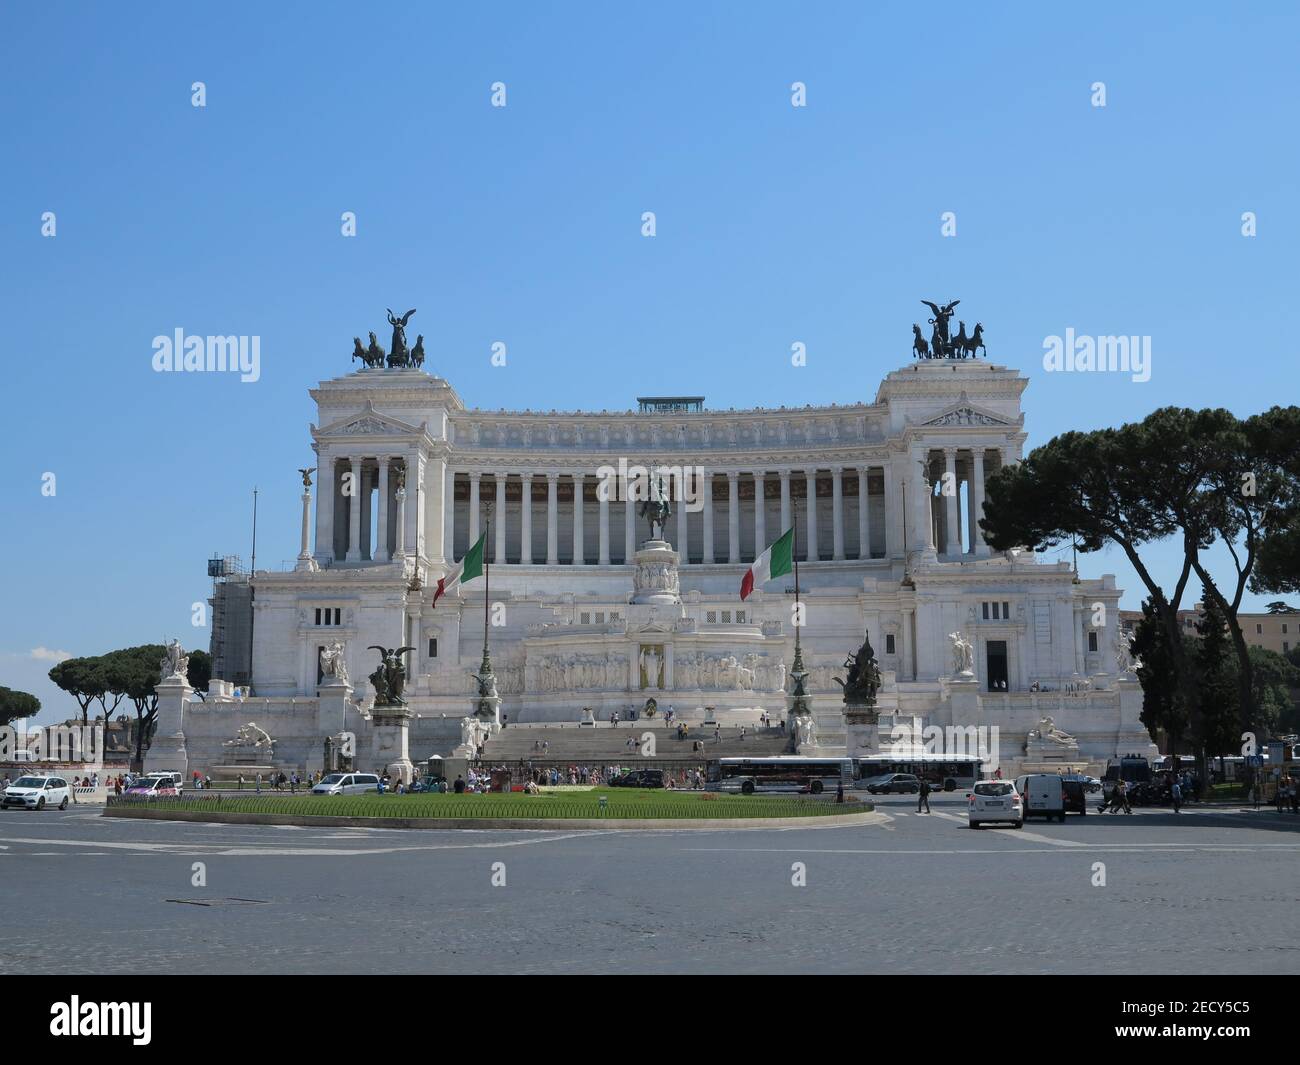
(782, 773)
(944, 772)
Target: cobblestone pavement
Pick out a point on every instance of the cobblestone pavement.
(1204, 891)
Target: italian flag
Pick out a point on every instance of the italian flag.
(466, 569)
(776, 561)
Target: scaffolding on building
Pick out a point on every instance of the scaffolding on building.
(232, 619)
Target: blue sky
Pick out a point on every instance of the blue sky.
(522, 224)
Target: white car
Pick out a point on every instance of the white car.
(996, 800)
(347, 784)
(36, 793)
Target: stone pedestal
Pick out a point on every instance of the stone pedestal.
(963, 694)
(656, 579)
(335, 696)
(167, 750)
(389, 747)
(861, 731)
(902, 735)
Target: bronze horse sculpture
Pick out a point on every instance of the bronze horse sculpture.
(367, 357)
(920, 349)
(968, 345)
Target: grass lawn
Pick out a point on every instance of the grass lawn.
(620, 803)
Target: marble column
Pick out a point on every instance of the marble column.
(811, 481)
(305, 561)
(449, 511)
(894, 545)
(629, 526)
(683, 522)
(368, 478)
(499, 555)
(785, 501)
(864, 519)
(919, 485)
(579, 548)
(969, 516)
(399, 498)
(707, 518)
(978, 546)
(418, 487)
(733, 517)
(952, 504)
(380, 553)
(354, 512)
(760, 518)
(473, 510)
(552, 520)
(837, 513)
(325, 482)
(526, 520)
(603, 502)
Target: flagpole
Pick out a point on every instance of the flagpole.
(798, 694)
(486, 667)
(797, 671)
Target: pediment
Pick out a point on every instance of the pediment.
(965, 413)
(368, 422)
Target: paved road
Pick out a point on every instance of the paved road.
(1204, 891)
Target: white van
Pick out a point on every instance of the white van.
(173, 779)
(347, 784)
(1044, 795)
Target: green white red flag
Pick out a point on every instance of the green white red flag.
(466, 569)
(776, 561)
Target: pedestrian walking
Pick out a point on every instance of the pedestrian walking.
(1176, 794)
(259, 783)
(922, 796)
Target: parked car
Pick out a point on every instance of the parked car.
(639, 778)
(890, 783)
(36, 793)
(347, 784)
(994, 801)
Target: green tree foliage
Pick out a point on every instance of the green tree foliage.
(1277, 682)
(1218, 701)
(1277, 448)
(87, 681)
(1165, 707)
(200, 672)
(1204, 478)
(83, 679)
(135, 672)
(16, 704)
